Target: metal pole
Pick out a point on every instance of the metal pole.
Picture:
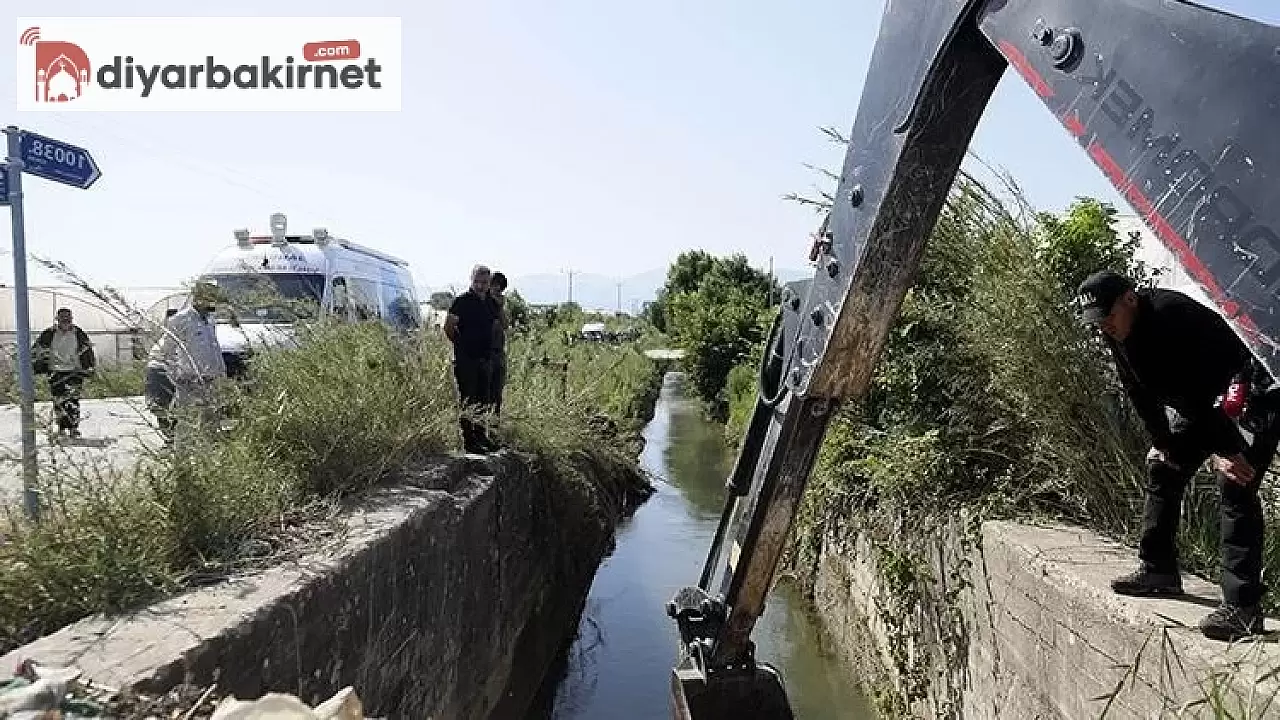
(26, 379)
(769, 297)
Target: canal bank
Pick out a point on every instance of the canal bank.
(620, 662)
(445, 595)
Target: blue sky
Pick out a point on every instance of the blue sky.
(604, 137)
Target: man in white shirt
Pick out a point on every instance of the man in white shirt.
(190, 358)
(65, 353)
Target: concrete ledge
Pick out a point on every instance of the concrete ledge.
(448, 598)
(1025, 625)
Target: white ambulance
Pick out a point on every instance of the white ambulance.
(271, 282)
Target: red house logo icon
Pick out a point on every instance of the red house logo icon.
(62, 68)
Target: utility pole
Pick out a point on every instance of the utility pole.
(769, 299)
(619, 297)
(570, 272)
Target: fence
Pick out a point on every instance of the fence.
(111, 349)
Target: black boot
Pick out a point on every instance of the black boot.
(1233, 622)
(1148, 584)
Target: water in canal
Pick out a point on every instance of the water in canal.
(620, 664)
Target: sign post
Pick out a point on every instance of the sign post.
(26, 378)
(70, 165)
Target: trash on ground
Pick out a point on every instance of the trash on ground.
(46, 692)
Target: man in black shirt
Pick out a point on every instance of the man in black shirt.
(1172, 352)
(469, 326)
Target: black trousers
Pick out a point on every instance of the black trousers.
(497, 381)
(474, 378)
(159, 392)
(1241, 518)
(65, 389)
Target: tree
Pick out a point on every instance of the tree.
(517, 310)
(684, 276)
(1085, 242)
(716, 335)
(441, 300)
(735, 272)
(718, 310)
(655, 313)
(686, 273)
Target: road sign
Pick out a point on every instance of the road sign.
(60, 162)
(57, 161)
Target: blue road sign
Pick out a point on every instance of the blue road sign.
(4, 184)
(57, 161)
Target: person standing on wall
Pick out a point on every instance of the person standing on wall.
(64, 352)
(498, 372)
(1171, 352)
(469, 326)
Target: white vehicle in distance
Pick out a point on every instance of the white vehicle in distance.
(270, 282)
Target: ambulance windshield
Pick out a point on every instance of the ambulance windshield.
(268, 297)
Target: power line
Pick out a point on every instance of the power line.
(235, 177)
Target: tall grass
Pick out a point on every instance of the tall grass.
(350, 407)
(110, 381)
(989, 393)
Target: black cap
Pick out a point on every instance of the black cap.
(1099, 292)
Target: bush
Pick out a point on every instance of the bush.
(740, 391)
(718, 310)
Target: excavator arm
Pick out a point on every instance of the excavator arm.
(1176, 103)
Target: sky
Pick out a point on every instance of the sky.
(603, 137)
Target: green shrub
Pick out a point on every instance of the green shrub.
(718, 310)
(990, 390)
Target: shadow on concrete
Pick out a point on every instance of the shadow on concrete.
(1191, 599)
(92, 442)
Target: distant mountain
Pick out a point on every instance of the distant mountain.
(601, 292)
(786, 275)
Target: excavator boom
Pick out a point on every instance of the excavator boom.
(1174, 102)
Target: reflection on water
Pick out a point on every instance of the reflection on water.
(620, 664)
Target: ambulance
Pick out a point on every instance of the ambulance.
(270, 283)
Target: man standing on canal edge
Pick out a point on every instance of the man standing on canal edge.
(1174, 353)
(469, 326)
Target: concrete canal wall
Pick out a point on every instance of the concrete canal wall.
(448, 596)
(1018, 621)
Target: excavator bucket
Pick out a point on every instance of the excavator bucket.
(752, 693)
